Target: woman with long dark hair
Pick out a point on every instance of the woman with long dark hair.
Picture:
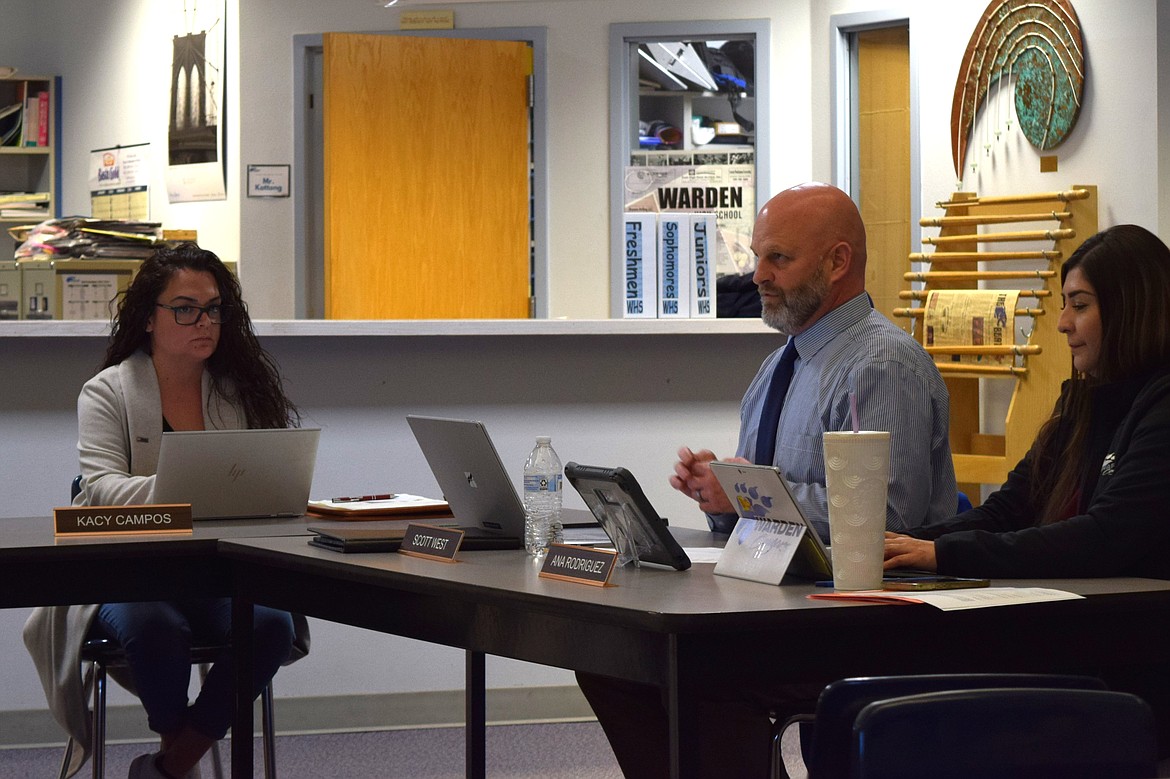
(181, 356)
(209, 370)
(1090, 498)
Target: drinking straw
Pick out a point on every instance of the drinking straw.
(853, 410)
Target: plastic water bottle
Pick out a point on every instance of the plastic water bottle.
(542, 498)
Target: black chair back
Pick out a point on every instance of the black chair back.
(841, 702)
(1006, 733)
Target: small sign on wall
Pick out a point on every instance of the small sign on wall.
(268, 180)
(426, 20)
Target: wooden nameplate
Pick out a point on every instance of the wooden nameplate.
(155, 519)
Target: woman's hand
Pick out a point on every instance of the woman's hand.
(906, 552)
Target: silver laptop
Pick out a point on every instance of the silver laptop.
(237, 474)
(470, 474)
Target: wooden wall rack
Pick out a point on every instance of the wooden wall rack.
(1042, 230)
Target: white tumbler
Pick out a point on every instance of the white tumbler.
(857, 474)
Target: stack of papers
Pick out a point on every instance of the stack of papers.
(954, 600)
(82, 237)
(24, 205)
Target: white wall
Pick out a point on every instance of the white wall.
(1115, 143)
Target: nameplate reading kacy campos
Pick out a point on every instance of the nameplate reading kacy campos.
(580, 564)
(437, 543)
(130, 520)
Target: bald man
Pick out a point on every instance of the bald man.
(809, 243)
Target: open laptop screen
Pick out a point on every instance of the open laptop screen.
(236, 474)
(468, 469)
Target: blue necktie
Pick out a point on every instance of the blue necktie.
(773, 402)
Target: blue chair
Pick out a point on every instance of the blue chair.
(1006, 733)
(827, 734)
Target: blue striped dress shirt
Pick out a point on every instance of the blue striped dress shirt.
(855, 349)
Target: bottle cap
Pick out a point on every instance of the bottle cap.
(543, 439)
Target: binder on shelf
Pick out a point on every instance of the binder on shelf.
(674, 277)
(43, 127)
(640, 296)
(10, 125)
(13, 134)
(32, 121)
(23, 198)
(702, 265)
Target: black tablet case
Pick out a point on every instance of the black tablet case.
(605, 489)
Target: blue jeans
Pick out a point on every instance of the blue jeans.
(157, 637)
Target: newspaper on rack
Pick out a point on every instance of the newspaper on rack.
(707, 185)
(972, 317)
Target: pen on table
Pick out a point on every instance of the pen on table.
(363, 498)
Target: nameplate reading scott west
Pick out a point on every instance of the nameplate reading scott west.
(437, 543)
(579, 564)
(130, 520)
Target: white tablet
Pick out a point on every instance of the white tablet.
(760, 492)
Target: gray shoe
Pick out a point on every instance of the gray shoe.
(144, 767)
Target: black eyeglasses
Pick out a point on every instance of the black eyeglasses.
(217, 313)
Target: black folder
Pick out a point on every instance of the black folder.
(365, 539)
(355, 539)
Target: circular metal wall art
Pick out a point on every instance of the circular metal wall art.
(1038, 42)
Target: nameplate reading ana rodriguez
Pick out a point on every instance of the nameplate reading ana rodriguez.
(128, 520)
(437, 543)
(580, 564)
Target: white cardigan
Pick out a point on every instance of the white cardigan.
(120, 424)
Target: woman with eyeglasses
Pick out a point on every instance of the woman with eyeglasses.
(182, 356)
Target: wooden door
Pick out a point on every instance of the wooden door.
(883, 106)
(426, 178)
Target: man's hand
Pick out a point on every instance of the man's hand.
(693, 477)
(906, 552)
